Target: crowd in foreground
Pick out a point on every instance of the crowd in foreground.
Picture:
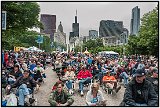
(23, 74)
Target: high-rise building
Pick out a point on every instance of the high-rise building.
(110, 28)
(75, 28)
(124, 36)
(49, 24)
(71, 35)
(93, 34)
(60, 36)
(135, 21)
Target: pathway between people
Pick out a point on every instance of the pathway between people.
(45, 89)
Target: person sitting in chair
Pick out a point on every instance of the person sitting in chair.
(69, 77)
(25, 86)
(110, 82)
(85, 77)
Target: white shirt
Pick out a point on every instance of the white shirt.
(89, 97)
(69, 74)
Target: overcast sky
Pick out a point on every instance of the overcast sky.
(91, 13)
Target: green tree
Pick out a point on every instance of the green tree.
(92, 44)
(147, 40)
(77, 49)
(99, 42)
(149, 32)
(89, 44)
(21, 16)
(132, 44)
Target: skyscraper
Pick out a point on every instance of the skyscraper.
(75, 28)
(110, 28)
(93, 34)
(49, 24)
(135, 21)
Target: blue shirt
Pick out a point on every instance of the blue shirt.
(32, 66)
(89, 61)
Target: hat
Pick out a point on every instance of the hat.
(140, 72)
(155, 70)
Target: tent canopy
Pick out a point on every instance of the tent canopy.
(86, 52)
(34, 49)
(110, 52)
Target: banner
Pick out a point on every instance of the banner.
(3, 20)
(16, 49)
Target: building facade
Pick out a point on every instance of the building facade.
(49, 25)
(60, 36)
(86, 38)
(75, 41)
(110, 28)
(111, 41)
(93, 34)
(71, 35)
(126, 32)
(135, 21)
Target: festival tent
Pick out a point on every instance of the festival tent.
(86, 52)
(34, 49)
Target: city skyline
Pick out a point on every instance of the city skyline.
(91, 13)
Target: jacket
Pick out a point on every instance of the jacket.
(83, 74)
(16, 74)
(62, 98)
(148, 92)
(154, 81)
(30, 82)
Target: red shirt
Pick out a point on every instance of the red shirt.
(83, 74)
(6, 57)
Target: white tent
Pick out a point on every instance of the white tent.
(104, 53)
(110, 52)
(34, 49)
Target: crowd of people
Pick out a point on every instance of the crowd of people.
(25, 71)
